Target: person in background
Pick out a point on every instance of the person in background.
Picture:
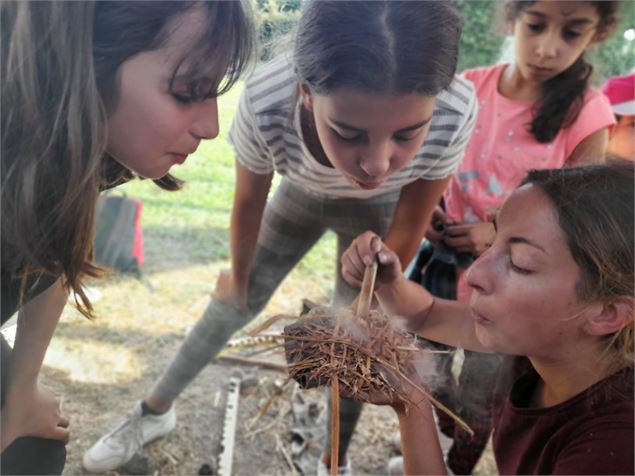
(555, 290)
(621, 93)
(92, 95)
(365, 131)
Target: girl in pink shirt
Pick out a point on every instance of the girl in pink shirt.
(536, 113)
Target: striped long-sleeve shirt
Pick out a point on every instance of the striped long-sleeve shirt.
(267, 136)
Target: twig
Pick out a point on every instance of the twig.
(285, 453)
(335, 425)
(267, 324)
(366, 293)
(265, 364)
(270, 400)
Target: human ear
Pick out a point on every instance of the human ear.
(613, 316)
(307, 96)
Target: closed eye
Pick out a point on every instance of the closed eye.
(182, 99)
(518, 269)
(354, 138)
(571, 34)
(406, 138)
(535, 27)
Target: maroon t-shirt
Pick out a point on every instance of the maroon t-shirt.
(591, 433)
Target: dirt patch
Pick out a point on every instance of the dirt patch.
(200, 413)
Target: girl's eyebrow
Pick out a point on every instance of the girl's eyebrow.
(573, 21)
(418, 125)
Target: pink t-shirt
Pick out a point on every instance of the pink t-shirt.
(501, 150)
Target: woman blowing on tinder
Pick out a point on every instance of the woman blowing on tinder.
(555, 289)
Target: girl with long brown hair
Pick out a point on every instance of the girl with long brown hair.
(93, 94)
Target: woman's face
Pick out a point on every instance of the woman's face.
(524, 299)
(550, 36)
(367, 136)
(153, 126)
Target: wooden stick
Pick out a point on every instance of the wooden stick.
(335, 425)
(265, 364)
(366, 293)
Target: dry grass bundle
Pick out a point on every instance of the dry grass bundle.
(365, 354)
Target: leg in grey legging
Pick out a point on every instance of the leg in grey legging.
(289, 229)
(376, 215)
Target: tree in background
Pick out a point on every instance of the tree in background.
(481, 42)
(617, 55)
(275, 20)
(483, 33)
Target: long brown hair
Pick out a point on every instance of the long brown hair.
(59, 70)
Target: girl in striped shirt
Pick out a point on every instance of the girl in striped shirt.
(365, 122)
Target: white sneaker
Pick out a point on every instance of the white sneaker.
(119, 445)
(395, 466)
(346, 470)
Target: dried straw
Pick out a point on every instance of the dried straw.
(366, 355)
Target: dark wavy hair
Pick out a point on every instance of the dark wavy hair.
(59, 79)
(563, 95)
(378, 46)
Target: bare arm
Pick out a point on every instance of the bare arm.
(446, 321)
(29, 409)
(250, 198)
(412, 216)
(591, 150)
(420, 442)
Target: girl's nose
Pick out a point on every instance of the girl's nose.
(206, 124)
(547, 46)
(376, 161)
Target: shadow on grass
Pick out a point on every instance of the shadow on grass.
(168, 248)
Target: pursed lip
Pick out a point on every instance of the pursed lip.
(480, 318)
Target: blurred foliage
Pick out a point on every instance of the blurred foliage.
(482, 37)
(617, 55)
(481, 42)
(275, 19)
